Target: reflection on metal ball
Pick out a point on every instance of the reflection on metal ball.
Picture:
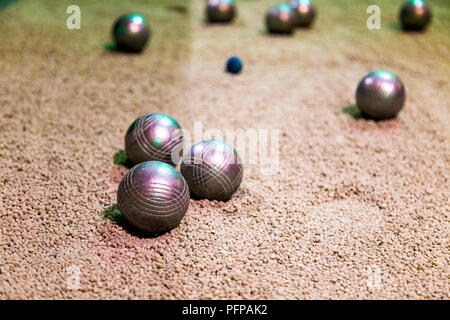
(380, 95)
(220, 10)
(212, 169)
(131, 33)
(280, 19)
(153, 196)
(415, 15)
(304, 13)
(154, 136)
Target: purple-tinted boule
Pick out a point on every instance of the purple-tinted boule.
(153, 197)
(280, 19)
(154, 137)
(212, 169)
(221, 11)
(131, 33)
(304, 13)
(380, 95)
(415, 15)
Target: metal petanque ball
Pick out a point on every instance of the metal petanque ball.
(280, 19)
(380, 95)
(212, 169)
(304, 13)
(234, 65)
(153, 196)
(131, 33)
(154, 136)
(220, 10)
(415, 15)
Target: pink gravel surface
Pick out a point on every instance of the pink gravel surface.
(356, 209)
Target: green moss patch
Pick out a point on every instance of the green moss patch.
(352, 111)
(120, 158)
(113, 213)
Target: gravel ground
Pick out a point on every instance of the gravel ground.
(356, 209)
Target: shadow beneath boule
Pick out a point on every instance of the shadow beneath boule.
(209, 23)
(178, 8)
(397, 26)
(113, 214)
(111, 47)
(271, 34)
(354, 112)
(197, 198)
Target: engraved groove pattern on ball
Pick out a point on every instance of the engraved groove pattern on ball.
(212, 169)
(153, 137)
(153, 196)
(380, 95)
(220, 11)
(131, 33)
(280, 19)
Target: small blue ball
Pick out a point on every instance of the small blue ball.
(234, 65)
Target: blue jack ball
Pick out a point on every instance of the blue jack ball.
(234, 65)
